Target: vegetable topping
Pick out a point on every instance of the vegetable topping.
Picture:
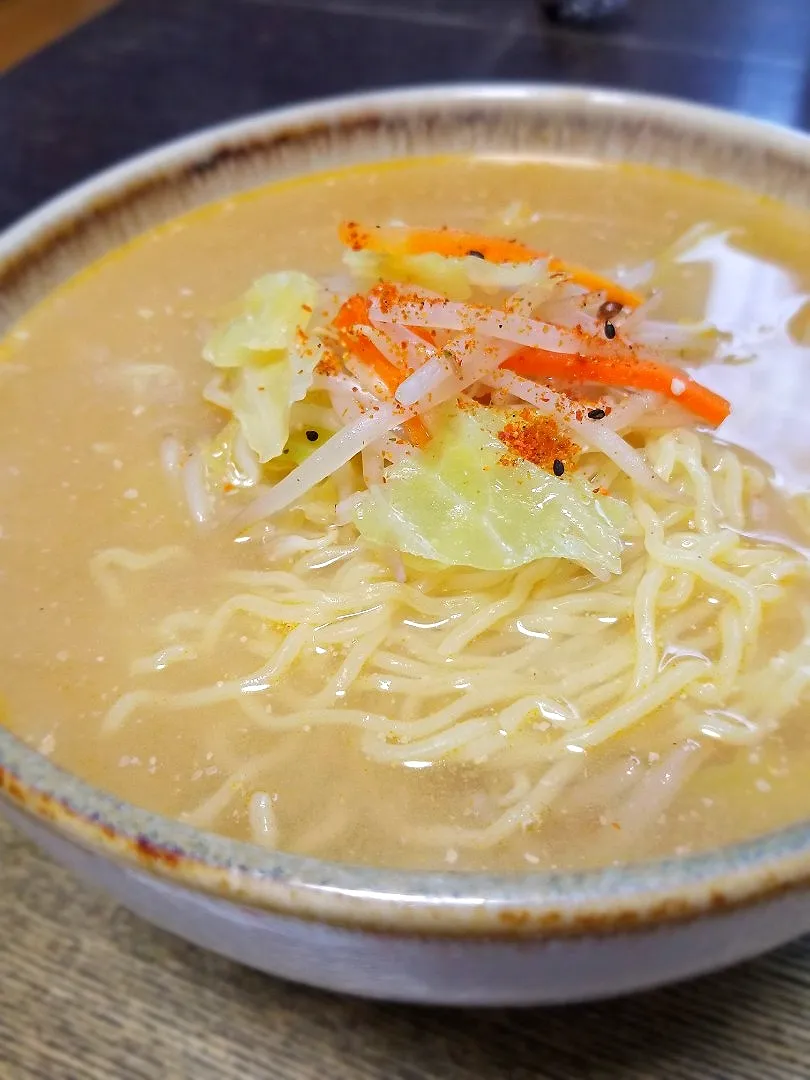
(471, 379)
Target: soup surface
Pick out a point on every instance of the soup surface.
(427, 724)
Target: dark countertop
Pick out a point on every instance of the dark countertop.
(87, 991)
(149, 70)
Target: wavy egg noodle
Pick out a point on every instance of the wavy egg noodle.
(485, 669)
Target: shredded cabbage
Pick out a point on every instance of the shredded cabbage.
(269, 362)
(457, 504)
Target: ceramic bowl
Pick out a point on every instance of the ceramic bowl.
(421, 937)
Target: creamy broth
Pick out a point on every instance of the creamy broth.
(98, 375)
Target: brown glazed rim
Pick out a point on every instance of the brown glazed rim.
(65, 235)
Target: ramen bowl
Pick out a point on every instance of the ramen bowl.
(425, 937)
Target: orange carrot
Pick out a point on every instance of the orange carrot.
(352, 313)
(594, 282)
(622, 370)
(396, 240)
(368, 354)
(425, 333)
(454, 243)
(417, 431)
(625, 371)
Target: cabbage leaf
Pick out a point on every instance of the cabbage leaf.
(456, 503)
(267, 360)
(269, 316)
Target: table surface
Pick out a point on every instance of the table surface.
(29, 25)
(87, 991)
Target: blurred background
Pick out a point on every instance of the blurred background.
(86, 82)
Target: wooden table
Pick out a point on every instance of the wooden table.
(87, 991)
(28, 25)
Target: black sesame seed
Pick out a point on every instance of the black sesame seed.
(559, 468)
(609, 309)
(596, 414)
(476, 254)
(610, 331)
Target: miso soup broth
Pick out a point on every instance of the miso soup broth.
(552, 613)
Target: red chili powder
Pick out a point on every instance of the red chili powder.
(537, 439)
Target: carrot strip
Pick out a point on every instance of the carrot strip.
(628, 372)
(425, 333)
(594, 282)
(454, 243)
(417, 431)
(352, 312)
(368, 353)
(355, 312)
(395, 240)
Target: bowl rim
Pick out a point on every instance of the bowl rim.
(548, 903)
